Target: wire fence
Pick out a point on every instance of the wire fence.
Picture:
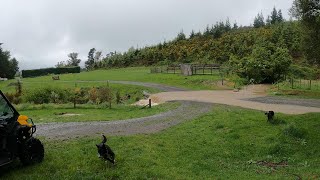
(196, 69)
(300, 84)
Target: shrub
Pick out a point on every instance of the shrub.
(14, 98)
(92, 94)
(104, 94)
(118, 97)
(49, 94)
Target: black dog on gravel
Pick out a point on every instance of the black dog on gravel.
(105, 151)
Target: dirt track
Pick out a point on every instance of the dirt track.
(194, 104)
(245, 98)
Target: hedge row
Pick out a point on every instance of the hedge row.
(43, 72)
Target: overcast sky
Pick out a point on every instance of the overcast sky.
(39, 33)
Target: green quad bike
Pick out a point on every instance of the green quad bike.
(16, 139)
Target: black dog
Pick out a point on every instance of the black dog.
(270, 115)
(105, 151)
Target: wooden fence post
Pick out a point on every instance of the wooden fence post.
(149, 103)
(75, 96)
(310, 84)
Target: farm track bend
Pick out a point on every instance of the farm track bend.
(193, 104)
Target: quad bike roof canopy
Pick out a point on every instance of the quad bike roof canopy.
(7, 111)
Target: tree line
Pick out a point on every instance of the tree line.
(9, 66)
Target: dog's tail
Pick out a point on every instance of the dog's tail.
(104, 140)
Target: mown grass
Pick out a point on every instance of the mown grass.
(141, 74)
(86, 113)
(224, 144)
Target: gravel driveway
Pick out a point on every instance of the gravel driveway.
(187, 111)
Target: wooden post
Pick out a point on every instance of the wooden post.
(310, 84)
(300, 84)
(75, 96)
(149, 103)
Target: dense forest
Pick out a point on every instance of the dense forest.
(262, 52)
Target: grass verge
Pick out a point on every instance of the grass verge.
(66, 113)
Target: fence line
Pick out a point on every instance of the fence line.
(302, 84)
(196, 69)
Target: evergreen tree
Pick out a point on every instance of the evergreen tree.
(192, 34)
(274, 16)
(198, 34)
(235, 26)
(90, 62)
(268, 21)
(181, 36)
(259, 21)
(207, 31)
(280, 17)
(227, 26)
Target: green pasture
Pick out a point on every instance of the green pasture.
(140, 74)
(297, 88)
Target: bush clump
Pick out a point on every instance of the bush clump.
(49, 95)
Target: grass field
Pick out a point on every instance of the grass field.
(52, 112)
(227, 143)
(299, 88)
(141, 74)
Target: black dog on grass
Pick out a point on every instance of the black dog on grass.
(105, 151)
(270, 115)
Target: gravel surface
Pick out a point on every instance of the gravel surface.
(281, 100)
(187, 111)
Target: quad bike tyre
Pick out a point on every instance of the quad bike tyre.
(32, 151)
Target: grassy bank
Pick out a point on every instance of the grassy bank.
(86, 113)
(228, 143)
